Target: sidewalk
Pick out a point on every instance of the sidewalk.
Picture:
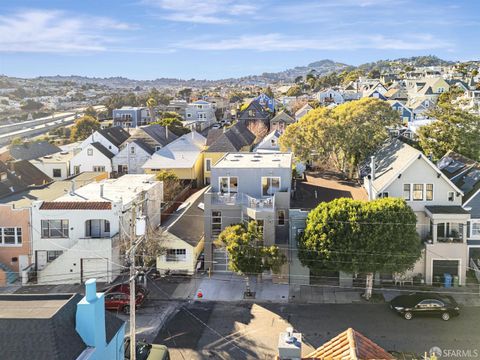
(231, 287)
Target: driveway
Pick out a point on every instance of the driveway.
(222, 330)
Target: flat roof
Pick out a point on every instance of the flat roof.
(255, 160)
(49, 192)
(32, 306)
(123, 189)
(62, 156)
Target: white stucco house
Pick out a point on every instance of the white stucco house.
(79, 235)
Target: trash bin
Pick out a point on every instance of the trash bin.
(456, 281)
(447, 280)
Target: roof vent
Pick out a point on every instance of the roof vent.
(255, 160)
(47, 157)
(238, 156)
(64, 153)
(257, 156)
(275, 159)
(234, 160)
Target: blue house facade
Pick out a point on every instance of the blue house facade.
(404, 112)
(266, 101)
(101, 331)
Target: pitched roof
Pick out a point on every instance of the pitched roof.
(350, 345)
(181, 153)
(462, 171)
(213, 135)
(453, 209)
(267, 145)
(116, 135)
(282, 116)
(188, 223)
(143, 145)
(234, 139)
(30, 174)
(260, 111)
(73, 205)
(103, 149)
(12, 183)
(33, 150)
(306, 107)
(159, 133)
(45, 327)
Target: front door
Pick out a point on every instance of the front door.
(41, 259)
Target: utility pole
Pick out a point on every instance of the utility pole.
(133, 343)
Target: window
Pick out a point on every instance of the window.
(281, 217)
(429, 192)
(475, 229)
(10, 236)
(76, 169)
(189, 115)
(270, 185)
(451, 196)
(383, 194)
(406, 192)
(57, 172)
(106, 226)
(176, 255)
(90, 152)
(157, 148)
(98, 168)
(417, 192)
(54, 228)
(208, 164)
(228, 184)
(216, 223)
(132, 149)
(53, 254)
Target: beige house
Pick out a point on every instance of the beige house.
(402, 171)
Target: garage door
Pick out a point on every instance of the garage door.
(441, 267)
(94, 268)
(220, 260)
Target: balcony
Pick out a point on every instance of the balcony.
(239, 199)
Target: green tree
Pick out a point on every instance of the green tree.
(185, 93)
(16, 141)
(343, 136)
(174, 125)
(90, 111)
(171, 184)
(268, 91)
(248, 255)
(31, 105)
(295, 90)
(454, 129)
(84, 127)
(361, 237)
(151, 103)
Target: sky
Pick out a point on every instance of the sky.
(215, 39)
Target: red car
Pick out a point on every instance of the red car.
(118, 298)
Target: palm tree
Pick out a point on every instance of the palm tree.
(151, 103)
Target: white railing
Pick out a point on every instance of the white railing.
(243, 199)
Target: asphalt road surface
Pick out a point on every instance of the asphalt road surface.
(209, 330)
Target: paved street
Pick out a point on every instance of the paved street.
(250, 331)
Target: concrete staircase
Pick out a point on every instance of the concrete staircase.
(11, 276)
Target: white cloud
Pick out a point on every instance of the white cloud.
(203, 11)
(280, 42)
(55, 31)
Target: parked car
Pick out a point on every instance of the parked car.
(425, 304)
(145, 351)
(216, 126)
(125, 287)
(118, 297)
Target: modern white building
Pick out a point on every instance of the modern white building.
(56, 166)
(199, 115)
(81, 234)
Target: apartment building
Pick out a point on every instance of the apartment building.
(246, 187)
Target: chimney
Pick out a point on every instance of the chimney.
(90, 316)
(166, 132)
(290, 345)
(72, 190)
(101, 190)
(372, 168)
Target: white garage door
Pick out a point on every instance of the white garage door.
(94, 269)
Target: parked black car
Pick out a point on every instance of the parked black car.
(425, 304)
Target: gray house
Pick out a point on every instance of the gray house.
(130, 117)
(465, 173)
(246, 187)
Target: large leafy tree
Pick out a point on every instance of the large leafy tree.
(84, 127)
(174, 125)
(361, 237)
(151, 103)
(171, 184)
(247, 252)
(344, 135)
(455, 129)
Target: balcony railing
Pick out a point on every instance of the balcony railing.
(243, 199)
